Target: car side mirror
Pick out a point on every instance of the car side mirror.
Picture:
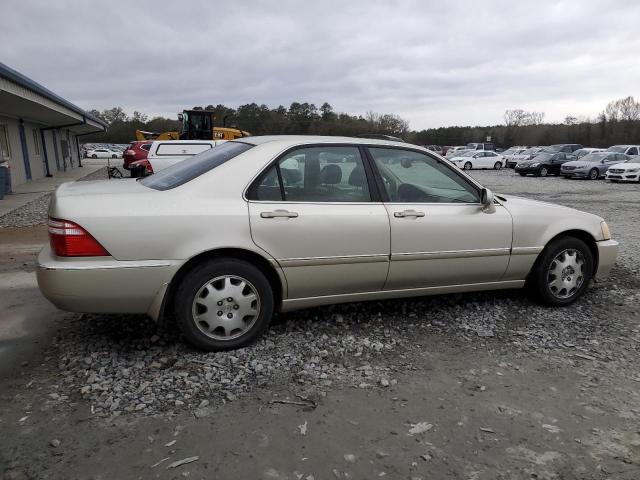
(180, 117)
(602, 161)
(486, 199)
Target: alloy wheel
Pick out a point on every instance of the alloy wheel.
(497, 166)
(594, 174)
(226, 307)
(565, 275)
(467, 166)
(543, 171)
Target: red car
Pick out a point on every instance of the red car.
(137, 150)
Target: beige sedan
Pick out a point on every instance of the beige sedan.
(229, 236)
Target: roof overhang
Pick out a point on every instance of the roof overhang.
(24, 99)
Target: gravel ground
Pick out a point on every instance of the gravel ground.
(125, 368)
(35, 212)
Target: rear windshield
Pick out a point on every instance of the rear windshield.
(190, 168)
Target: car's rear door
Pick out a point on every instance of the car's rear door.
(440, 234)
(316, 211)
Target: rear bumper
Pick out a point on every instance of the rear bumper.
(102, 284)
(607, 254)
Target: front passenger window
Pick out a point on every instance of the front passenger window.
(414, 177)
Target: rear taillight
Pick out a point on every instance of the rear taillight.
(68, 239)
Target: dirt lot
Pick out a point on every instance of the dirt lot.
(477, 386)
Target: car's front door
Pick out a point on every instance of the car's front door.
(314, 211)
(440, 234)
(557, 160)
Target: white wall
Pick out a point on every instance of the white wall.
(36, 161)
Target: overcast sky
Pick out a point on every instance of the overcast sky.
(435, 63)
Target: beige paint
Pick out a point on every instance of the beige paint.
(329, 253)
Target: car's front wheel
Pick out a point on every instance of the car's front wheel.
(468, 166)
(497, 166)
(594, 174)
(224, 304)
(562, 272)
(543, 172)
(94, 156)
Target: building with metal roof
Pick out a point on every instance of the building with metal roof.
(39, 130)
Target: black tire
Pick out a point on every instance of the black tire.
(594, 173)
(114, 156)
(94, 156)
(540, 276)
(542, 172)
(468, 166)
(497, 166)
(522, 174)
(199, 276)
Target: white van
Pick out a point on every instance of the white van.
(164, 153)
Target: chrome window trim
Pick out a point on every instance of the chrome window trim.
(485, 252)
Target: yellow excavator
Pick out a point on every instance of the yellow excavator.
(197, 124)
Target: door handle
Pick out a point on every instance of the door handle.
(279, 214)
(408, 213)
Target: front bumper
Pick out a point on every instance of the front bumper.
(103, 284)
(624, 177)
(527, 169)
(574, 173)
(607, 254)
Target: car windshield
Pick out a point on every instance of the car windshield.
(593, 157)
(616, 149)
(543, 156)
(510, 150)
(466, 153)
(192, 167)
(530, 151)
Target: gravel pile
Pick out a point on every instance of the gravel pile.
(29, 215)
(35, 212)
(125, 364)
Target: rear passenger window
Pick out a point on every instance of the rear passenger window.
(632, 151)
(315, 174)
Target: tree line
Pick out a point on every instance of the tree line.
(618, 123)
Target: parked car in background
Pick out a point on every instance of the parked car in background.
(562, 147)
(103, 153)
(592, 166)
(137, 150)
(472, 159)
(628, 149)
(164, 153)
(628, 171)
(544, 163)
(510, 152)
(481, 146)
(435, 148)
(527, 154)
(452, 151)
(445, 149)
(221, 242)
(581, 152)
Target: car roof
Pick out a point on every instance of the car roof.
(305, 139)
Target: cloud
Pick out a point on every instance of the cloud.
(434, 63)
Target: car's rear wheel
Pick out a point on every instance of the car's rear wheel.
(543, 172)
(497, 166)
(594, 174)
(224, 304)
(522, 174)
(114, 156)
(468, 166)
(94, 156)
(562, 272)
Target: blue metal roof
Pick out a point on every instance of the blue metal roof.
(16, 77)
